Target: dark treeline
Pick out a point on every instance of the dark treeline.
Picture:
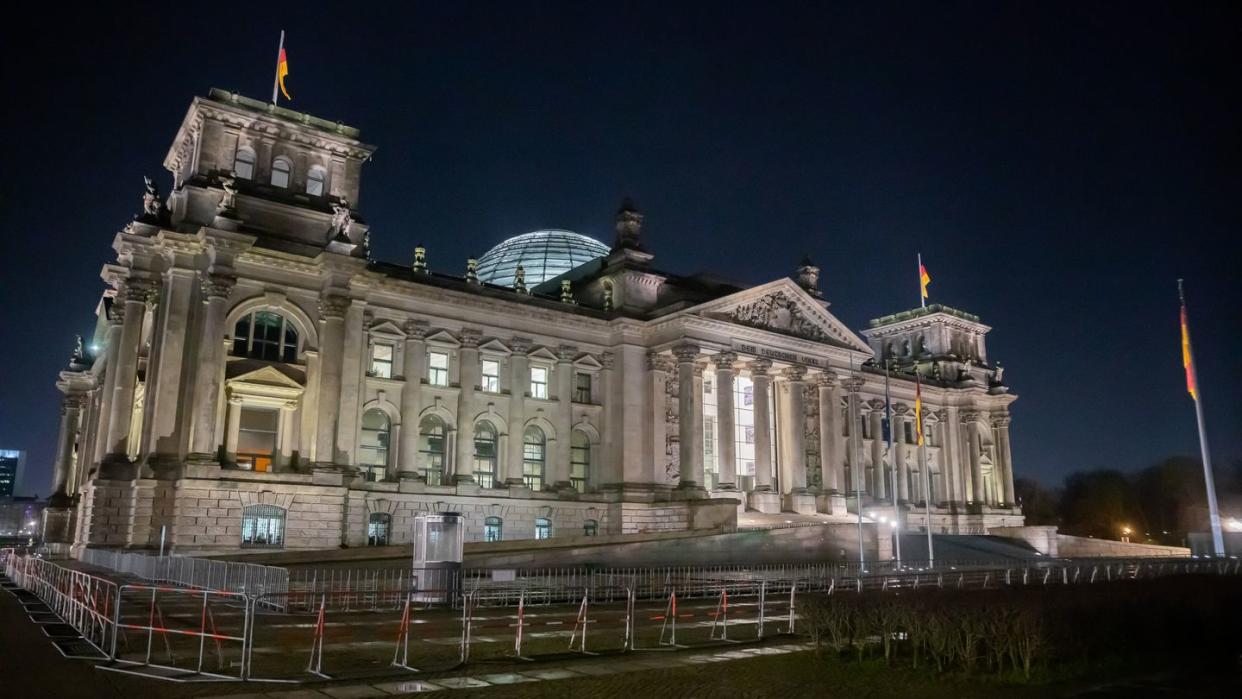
(1159, 504)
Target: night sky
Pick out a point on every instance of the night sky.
(1059, 167)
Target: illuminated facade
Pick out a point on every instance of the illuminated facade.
(256, 380)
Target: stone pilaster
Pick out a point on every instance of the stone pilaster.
(353, 371)
(468, 383)
(565, 355)
(879, 473)
(793, 430)
(103, 418)
(689, 418)
(970, 421)
(332, 339)
(1004, 458)
(853, 386)
(519, 381)
(131, 307)
(70, 420)
(165, 441)
(413, 368)
(726, 421)
(658, 368)
(215, 290)
(901, 413)
(832, 470)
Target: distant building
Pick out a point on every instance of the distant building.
(12, 469)
(20, 517)
(256, 379)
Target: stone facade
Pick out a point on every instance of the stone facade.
(255, 378)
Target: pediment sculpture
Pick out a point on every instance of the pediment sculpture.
(779, 312)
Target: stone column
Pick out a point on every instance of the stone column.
(468, 382)
(726, 421)
(853, 385)
(969, 423)
(353, 366)
(559, 470)
(832, 475)
(656, 407)
(763, 423)
(168, 385)
(285, 448)
(878, 473)
(950, 469)
(899, 456)
(415, 364)
(332, 338)
(519, 381)
(1004, 458)
(131, 306)
(689, 418)
(607, 464)
(215, 293)
(231, 429)
(103, 415)
(70, 413)
(793, 431)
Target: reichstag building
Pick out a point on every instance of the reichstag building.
(255, 379)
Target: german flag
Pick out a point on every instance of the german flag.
(918, 409)
(282, 69)
(924, 279)
(1187, 362)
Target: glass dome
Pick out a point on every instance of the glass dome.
(542, 254)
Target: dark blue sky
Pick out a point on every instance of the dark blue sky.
(1059, 166)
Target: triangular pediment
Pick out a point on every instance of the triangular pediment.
(495, 346)
(784, 308)
(387, 328)
(266, 376)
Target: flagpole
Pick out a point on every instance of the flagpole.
(856, 438)
(888, 410)
(276, 81)
(922, 298)
(1218, 542)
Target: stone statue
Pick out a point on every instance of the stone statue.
(629, 226)
(936, 371)
(519, 280)
(153, 210)
(607, 300)
(999, 375)
(228, 200)
(567, 293)
(420, 259)
(341, 221)
(808, 277)
(472, 270)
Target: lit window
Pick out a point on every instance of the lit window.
(315, 180)
(538, 382)
(265, 335)
(491, 376)
(281, 167)
(263, 526)
(437, 368)
(431, 449)
(256, 438)
(744, 420)
(381, 360)
(373, 451)
(579, 460)
(378, 526)
(534, 457)
(493, 528)
(590, 527)
(582, 388)
(485, 455)
(243, 164)
(543, 528)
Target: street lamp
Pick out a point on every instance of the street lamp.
(1125, 535)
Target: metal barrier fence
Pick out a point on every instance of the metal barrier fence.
(225, 576)
(345, 624)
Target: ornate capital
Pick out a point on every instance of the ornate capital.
(1001, 420)
(469, 337)
(759, 367)
(686, 353)
(566, 353)
(415, 329)
(698, 370)
(140, 290)
(826, 379)
(606, 360)
(658, 362)
(216, 286)
(794, 373)
(520, 345)
(725, 359)
(333, 307)
(901, 409)
(853, 384)
(969, 416)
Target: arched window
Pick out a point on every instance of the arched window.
(493, 529)
(243, 164)
(534, 457)
(281, 168)
(431, 449)
(485, 454)
(263, 526)
(378, 526)
(265, 335)
(543, 528)
(316, 179)
(590, 527)
(905, 348)
(373, 451)
(579, 460)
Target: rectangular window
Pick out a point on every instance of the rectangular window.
(437, 368)
(381, 360)
(582, 388)
(490, 382)
(538, 382)
(744, 421)
(909, 430)
(256, 438)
